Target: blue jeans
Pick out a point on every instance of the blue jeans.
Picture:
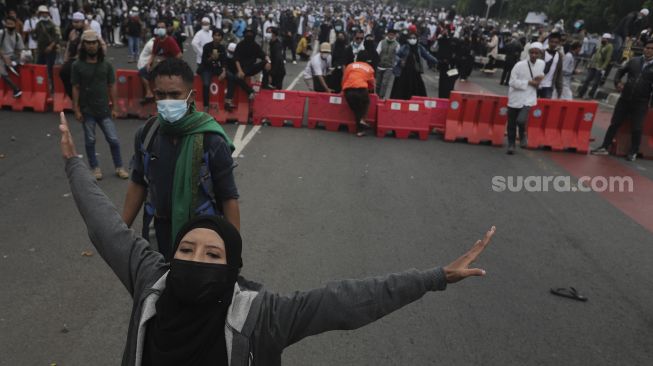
(133, 46)
(110, 134)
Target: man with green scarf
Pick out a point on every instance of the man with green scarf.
(182, 164)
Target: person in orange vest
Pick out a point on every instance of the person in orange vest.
(357, 83)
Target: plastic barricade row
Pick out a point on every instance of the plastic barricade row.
(621, 143)
(438, 108)
(332, 111)
(403, 117)
(130, 93)
(476, 118)
(217, 93)
(33, 81)
(561, 124)
(279, 106)
(60, 101)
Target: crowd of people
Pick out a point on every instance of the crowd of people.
(238, 43)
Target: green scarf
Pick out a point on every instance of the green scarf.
(190, 131)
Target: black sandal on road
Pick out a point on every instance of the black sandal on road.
(569, 292)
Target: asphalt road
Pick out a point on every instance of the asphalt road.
(319, 205)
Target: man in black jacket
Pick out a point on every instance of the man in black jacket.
(634, 101)
(274, 78)
(213, 60)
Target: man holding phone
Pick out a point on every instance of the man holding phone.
(525, 78)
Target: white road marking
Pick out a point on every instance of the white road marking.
(294, 82)
(240, 142)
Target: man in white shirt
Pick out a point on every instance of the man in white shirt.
(552, 68)
(317, 69)
(525, 78)
(201, 38)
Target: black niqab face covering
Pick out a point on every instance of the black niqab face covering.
(189, 326)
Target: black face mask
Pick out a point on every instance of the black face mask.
(10, 29)
(196, 283)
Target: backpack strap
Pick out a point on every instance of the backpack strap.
(149, 133)
(208, 207)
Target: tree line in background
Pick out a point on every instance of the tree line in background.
(599, 15)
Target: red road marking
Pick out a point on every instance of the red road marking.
(638, 204)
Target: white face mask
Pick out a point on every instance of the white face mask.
(89, 17)
(412, 41)
(160, 32)
(206, 28)
(172, 110)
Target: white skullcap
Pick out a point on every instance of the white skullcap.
(644, 11)
(231, 47)
(78, 16)
(206, 20)
(607, 36)
(537, 45)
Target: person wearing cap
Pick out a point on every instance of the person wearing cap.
(198, 309)
(525, 78)
(408, 69)
(47, 39)
(93, 80)
(71, 51)
(274, 78)
(552, 81)
(201, 38)
(387, 50)
(597, 67)
(134, 28)
(357, 84)
(11, 46)
(634, 101)
(317, 69)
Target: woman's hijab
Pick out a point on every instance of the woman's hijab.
(188, 328)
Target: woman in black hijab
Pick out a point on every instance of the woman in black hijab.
(408, 69)
(188, 327)
(339, 60)
(198, 311)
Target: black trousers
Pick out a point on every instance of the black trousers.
(633, 111)
(289, 43)
(275, 83)
(505, 75)
(359, 101)
(445, 84)
(513, 125)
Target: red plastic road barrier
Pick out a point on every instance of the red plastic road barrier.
(403, 117)
(217, 92)
(61, 102)
(477, 118)
(332, 111)
(621, 144)
(278, 106)
(561, 124)
(130, 92)
(34, 84)
(438, 112)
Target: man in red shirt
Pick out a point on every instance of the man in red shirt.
(164, 47)
(357, 83)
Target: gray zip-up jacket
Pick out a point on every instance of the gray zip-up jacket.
(259, 324)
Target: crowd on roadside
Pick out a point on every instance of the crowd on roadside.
(238, 43)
